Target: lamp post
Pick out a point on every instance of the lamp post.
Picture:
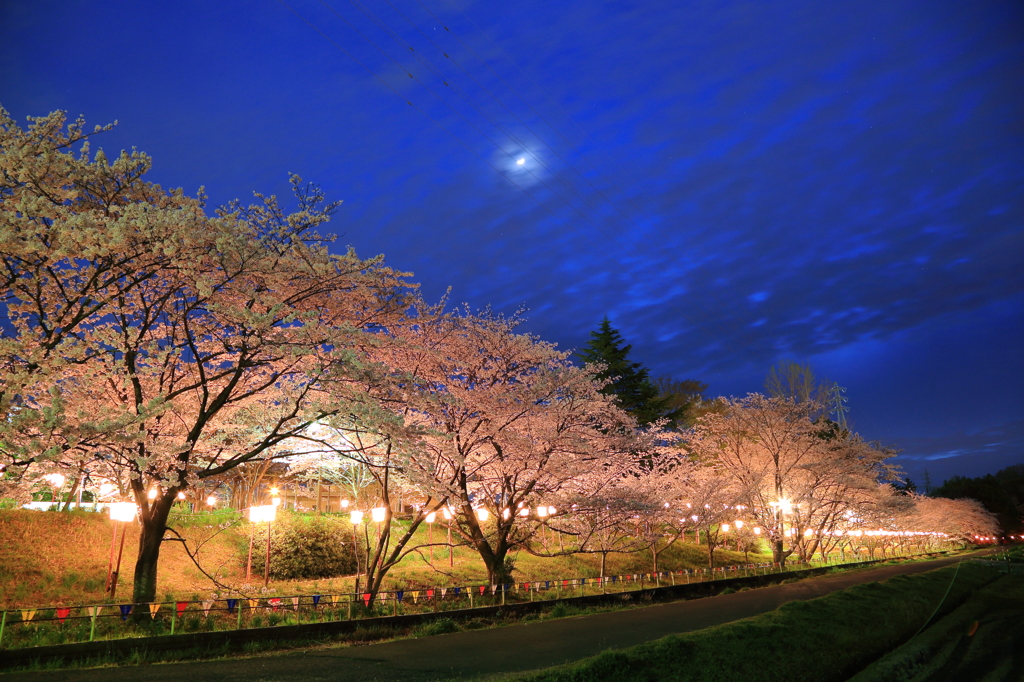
(56, 482)
(261, 514)
(431, 517)
(451, 549)
(120, 512)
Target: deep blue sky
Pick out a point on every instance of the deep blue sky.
(837, 183)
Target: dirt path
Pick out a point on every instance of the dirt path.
(464, 655)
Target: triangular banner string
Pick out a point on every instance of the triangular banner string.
(125, 610)
(181, 606)
(28, 615)
(63, 613)
(207, 605)
(153, 608)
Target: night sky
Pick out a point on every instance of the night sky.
(731, 183)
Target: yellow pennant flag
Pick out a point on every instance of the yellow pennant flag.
(95, 610)
(28, 615)
(253, 603)
(153, 608)
(334, 599)
(416, 597)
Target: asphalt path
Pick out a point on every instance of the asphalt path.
(474, 653)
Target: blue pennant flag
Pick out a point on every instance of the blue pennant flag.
(232, 605)
(547, 584)
(400, 594)
(316, 599)
(125, 610)
(457, 591)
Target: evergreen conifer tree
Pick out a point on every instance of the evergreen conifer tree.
(628, 381)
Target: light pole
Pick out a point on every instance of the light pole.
(260, 514)
(431, 517)
(120, 512)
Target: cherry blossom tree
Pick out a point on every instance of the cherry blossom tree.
(506, 422)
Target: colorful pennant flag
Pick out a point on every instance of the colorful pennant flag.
(207, 605)
(274, 603)
(444, 591)
(125, 610)
(295, 603)
(482, 588)
(399, 595)
(63, 613)
(458, 590)
(334, 599)
(94, 611)
(254, 603)
(416, 597)
(366, 599)
(153, 608)
(232, 605)
(180, 607)
(316, 600)
(26, 616)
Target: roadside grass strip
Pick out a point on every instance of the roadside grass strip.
(983, 639)
(820, 640)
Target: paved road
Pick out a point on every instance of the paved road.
(463, 655)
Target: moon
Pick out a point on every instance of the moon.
(521, 161)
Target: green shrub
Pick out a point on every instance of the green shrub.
(302, 548)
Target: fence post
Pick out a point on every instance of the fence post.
(92, 628)
(239, 627)
(3, 623)
(174, 616)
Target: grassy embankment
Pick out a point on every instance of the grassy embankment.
(49, 558)
(982, 640)
(830, 638)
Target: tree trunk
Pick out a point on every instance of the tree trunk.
(151, 534)
(71, 494)
(604, 559)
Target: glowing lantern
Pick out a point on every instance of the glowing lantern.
(151, 494)
(505, 513)
(447, 514)
(181, 496)
(122, 511)
(482, 514)
(757, 530)
(344, 504)
(431, 517)
(265, 513)
(525, 511)
(356, 517)
(378, 513)
(739, 524)
(542, 511)
(211, 501)
(725, 527)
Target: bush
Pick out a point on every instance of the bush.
(305, 547)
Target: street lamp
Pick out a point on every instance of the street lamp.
(120, 512)
(430, 518)
(261, 514)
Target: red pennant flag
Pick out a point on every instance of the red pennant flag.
(482, 588)
(181, 606)
(366, 599)
(62, 614)
(275, 603)
(430, 593)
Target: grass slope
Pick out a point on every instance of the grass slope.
(820, 640)
(49, 558)
(981, 640)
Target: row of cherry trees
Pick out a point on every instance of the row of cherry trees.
(151, 344)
